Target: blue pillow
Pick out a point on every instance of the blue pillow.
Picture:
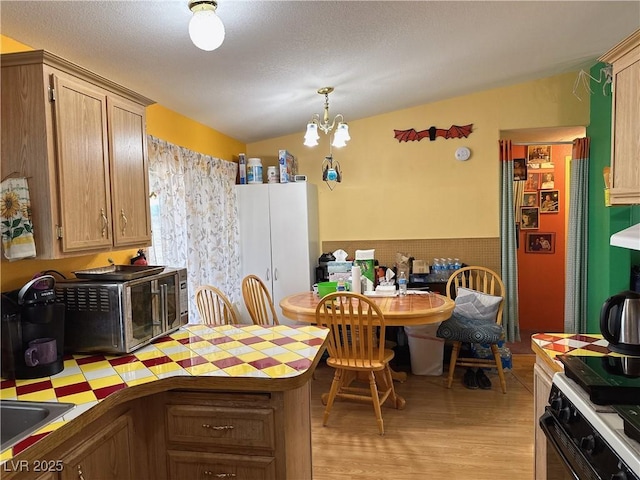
(476, 305)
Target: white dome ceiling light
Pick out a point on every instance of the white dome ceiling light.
(205, 27)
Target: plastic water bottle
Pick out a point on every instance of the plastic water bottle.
(436, 270)
(402, 284)
(456, 264)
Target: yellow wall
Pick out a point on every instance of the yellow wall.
(417, 190)
(162, 123)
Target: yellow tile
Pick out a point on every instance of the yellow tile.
(251, 356)
(8, 393)
(105, 381)
(239, 370)
(199, 345)
(79, 398)
(180, 335)
(140, 381)
(181, 355)
(585, 353)
(51, 427)
(278, 371)
(166, 345)
(202, 369)
(40, 396)
(90, 367)
(216, 356)
(165, 368)
(70, 380)
(155, 353)
(287, 357)
(6, 455)
(230, 345)
(70, 363)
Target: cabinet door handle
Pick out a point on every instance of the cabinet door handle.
(268, 274)
(105, 223)
(123, 221)
(217, 427)
(209, 473)
(80, 476)
(275, 274)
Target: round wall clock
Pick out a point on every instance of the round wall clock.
(463, 153)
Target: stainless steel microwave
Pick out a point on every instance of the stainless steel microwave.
(110, 316)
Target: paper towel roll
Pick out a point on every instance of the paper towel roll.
(355, 279)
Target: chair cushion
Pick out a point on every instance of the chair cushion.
(476, 305)
(463, 329)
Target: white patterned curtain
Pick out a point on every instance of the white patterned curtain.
(575, 298)
(194, 218)
(508, 239)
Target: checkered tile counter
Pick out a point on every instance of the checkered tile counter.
(195, 350)
(554, 344)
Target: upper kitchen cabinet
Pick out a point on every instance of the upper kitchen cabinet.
(625, 136)
(80, 140)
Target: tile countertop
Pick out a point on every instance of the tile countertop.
(550, 345)
(194, 350)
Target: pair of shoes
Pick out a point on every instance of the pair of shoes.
(482, 380)
(469, 380)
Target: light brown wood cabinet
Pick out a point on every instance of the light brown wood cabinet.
(80, 140)
(542, 376)
(625, 134)
(103, 456)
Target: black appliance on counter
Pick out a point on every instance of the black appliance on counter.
(592, 422)
(28, 314)
(322, 270)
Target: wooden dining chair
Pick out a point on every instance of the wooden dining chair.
(356, 347)
(479, 294)
(258, 301)
(214, 307)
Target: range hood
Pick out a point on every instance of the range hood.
(627, 238)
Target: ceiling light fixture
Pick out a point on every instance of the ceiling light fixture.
(205, 27)
(341, 134)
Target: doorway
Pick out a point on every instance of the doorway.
(542, 237)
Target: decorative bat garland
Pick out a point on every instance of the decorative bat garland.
(432, 133)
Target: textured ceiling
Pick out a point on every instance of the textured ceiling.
(380, 56)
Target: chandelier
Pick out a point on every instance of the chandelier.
(341, 134)
(205, 27)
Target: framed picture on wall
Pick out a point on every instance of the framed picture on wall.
(540, 242)
(519, 169)
(547, 180)
(533, 182)
(549, 201)
(538, 154)
(529, 199)
(530, 218)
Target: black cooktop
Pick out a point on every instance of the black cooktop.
(609, 380)
(631, 416)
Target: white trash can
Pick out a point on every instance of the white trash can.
(425, 349)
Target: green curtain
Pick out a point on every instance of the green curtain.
(508, 245)
(575, 298)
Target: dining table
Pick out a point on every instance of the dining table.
(415, 308)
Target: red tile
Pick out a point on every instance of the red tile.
(597, 348)
(221, 340)
(313, 342)
(72, 389)
(27, 442)
(193, 339)
(164, 339)
(265, 363)
(152, 362)
(302, 364)
(91, 359)
(251, 340)
(7, 384)
(104, 392)
(283, 341)
(33, 387)
(559, 348)
(227, 362)
(584, 338)
(192, 362)
(123, 360)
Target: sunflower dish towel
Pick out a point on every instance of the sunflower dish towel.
(15, 210)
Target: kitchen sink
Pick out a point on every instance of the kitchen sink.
(20, 418)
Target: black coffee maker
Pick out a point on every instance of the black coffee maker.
(322, 270)
(31, 313)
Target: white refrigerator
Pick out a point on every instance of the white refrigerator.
(279, 238)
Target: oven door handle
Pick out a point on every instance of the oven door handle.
(589, 474)
(164, 306)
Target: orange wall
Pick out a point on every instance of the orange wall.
(541, 276)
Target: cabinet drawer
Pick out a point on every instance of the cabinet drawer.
(212, 425)
(205, 466)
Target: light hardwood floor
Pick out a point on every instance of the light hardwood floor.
(442, 433)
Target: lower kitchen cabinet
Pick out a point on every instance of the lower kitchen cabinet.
(542, 378)
(103, 456)
(201, 465)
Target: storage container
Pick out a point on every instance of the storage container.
(254, 170)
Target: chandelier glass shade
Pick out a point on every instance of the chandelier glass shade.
(205, 27)
(341, 135)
